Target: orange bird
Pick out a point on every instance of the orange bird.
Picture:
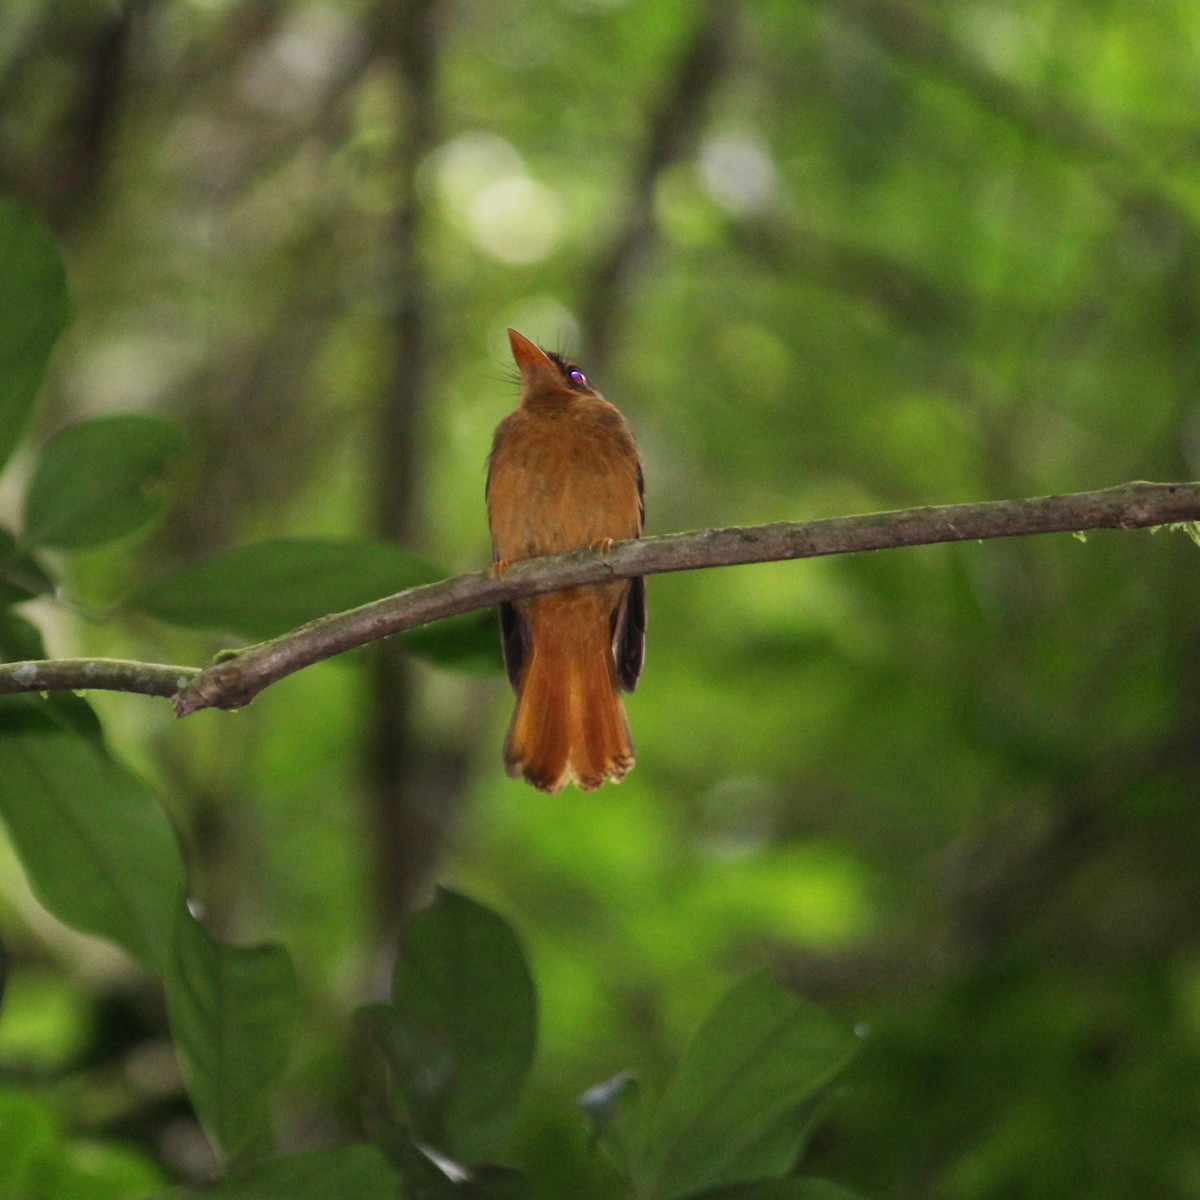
(564, 473)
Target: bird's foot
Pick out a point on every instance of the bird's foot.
(601, 545)
(498, 569)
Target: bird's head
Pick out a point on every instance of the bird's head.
(545, 375)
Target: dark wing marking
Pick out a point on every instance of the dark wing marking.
(630, 648)
(630, 638)
(514, 640)
(487, 482)
(514, 632)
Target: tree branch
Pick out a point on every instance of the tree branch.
(911, 31)
(411, 793)
(235, 679)
(672, 130)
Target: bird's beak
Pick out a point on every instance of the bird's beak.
(534, 364)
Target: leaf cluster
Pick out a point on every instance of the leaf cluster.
(450, 1052)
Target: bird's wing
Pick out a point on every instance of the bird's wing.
(514, 640)
(629, 645)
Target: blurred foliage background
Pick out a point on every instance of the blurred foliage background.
(827, 256)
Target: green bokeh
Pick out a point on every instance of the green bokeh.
(901, 253)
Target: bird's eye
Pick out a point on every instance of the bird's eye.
(579, 378)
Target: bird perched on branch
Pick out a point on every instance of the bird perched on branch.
(564, 473)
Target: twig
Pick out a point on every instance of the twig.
(94, 674)
(234, 680)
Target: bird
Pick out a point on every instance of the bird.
(564, 473)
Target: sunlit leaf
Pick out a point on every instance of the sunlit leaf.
(28, 1139)
(232, 1010)
(93, 1170)
(97, 848)
(97, 481)
(47, 1021)
(39, 1162)
(463, 1023)
(33, 312)
(737, 1108)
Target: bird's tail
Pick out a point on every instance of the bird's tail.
(569, 725)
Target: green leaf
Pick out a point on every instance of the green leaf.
(428, 1176)
(97, 481)
(470, 643)
(29, 1138)
(231, 1010)
(738, 1106)
(21, 640)
(39, 1162)
(347, 1173)
(97, 848)
(615, 1111)
(33, 312)
(421, 1176)
(94, 1170)
(463, 1022)
(21, 575)
(265, 589)
(495, 1183)
(800, 1188)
